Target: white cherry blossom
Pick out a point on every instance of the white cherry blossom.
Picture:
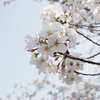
(49, 14)
(57, 27)
(52, 68)
(55, 41)
(41, 64)
(31, 42)
(54, 38)
(33, 58)
(71, 34)
(69, 71)
(46, 31)
(45, 50)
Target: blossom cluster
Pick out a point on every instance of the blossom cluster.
(55, 37)
(88, 8)
(91, 8)
(42, 89)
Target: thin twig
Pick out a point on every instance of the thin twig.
(79, 59)
(87, 38)
(93, 55)
(87, 74)
(87, 26)
(83, 17)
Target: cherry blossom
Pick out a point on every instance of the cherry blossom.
(46, 50)
(41, 64)
(31, 42)
(56, 43)
(52, 47)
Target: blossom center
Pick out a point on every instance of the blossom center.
(46, 48)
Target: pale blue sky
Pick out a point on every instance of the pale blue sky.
(18, 19)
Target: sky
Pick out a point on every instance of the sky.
(17, 19)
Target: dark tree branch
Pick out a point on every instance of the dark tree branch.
(79, 59)
(87, 26)
(86, 74)
(93, 55)
(87, 38)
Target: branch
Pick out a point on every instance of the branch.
(88, 38)
(93, 55)
(7, 2)
(79, 59)
(87, 26)
(87, 74)
(83, 17)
